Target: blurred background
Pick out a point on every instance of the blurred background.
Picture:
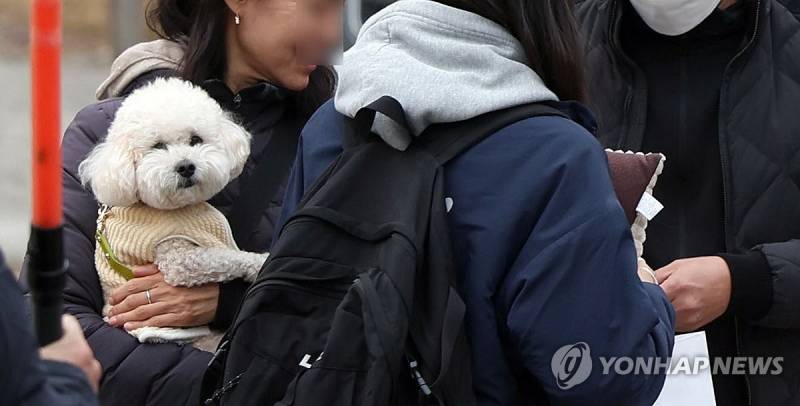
(94, 31)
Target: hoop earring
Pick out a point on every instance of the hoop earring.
(236, 19)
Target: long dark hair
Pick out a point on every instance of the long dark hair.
(549, 34)
(199, 25)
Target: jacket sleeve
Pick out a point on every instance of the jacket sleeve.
(294, 191)
(783, 259)
(572, 294)
(25, 379)
(764, 284)
(133, 373)
(319, 145)
(59, 384)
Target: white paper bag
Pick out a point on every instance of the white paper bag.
(681, 389)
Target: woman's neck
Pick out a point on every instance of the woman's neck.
(237, 82)
(238, 73)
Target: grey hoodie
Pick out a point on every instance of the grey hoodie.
(441, 63)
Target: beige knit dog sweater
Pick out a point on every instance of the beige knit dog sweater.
(139, 235)
(134, 232)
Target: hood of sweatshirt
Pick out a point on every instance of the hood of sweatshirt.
(441, 63)
(138, 60)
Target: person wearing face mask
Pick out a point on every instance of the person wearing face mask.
(715, 86)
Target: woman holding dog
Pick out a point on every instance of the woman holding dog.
(257, 60)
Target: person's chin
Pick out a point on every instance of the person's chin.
(299, 80)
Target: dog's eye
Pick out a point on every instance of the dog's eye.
(159, 145)
(195, 140)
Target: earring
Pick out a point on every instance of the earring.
(236, 19)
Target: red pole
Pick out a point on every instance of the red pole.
(46, 249)
(46, 81)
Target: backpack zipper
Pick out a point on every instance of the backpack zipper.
(284, 281)
(417, 377)
(227, 387)
(298, 287)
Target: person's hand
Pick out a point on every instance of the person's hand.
(73, 349)
(169, 306)
(699, 289)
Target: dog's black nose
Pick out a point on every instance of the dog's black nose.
(185, 169)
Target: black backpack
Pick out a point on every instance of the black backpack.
(357, 303)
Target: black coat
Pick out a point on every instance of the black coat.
(156, 374)
(25, 379)
(759, 149)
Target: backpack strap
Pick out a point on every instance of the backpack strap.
(446, 141)
(358, 129)
(265, 179)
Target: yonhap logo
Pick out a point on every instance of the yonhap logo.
(571, 365)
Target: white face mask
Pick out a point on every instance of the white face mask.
(674, 17)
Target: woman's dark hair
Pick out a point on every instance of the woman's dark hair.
(200, 26)
(549, 34)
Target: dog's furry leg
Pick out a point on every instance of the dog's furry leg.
(183, 263)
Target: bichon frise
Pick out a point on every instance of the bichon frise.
(170, 148)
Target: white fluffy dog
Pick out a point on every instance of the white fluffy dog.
(170, 148)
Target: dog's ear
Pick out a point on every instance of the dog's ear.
(110, 173)
(237, 145)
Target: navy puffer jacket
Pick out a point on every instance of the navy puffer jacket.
(544, 259)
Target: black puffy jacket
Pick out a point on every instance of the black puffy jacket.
(759, 138)
(156, 374)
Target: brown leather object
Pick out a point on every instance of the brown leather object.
(631, 174)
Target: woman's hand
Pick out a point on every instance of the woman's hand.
(169, 306)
